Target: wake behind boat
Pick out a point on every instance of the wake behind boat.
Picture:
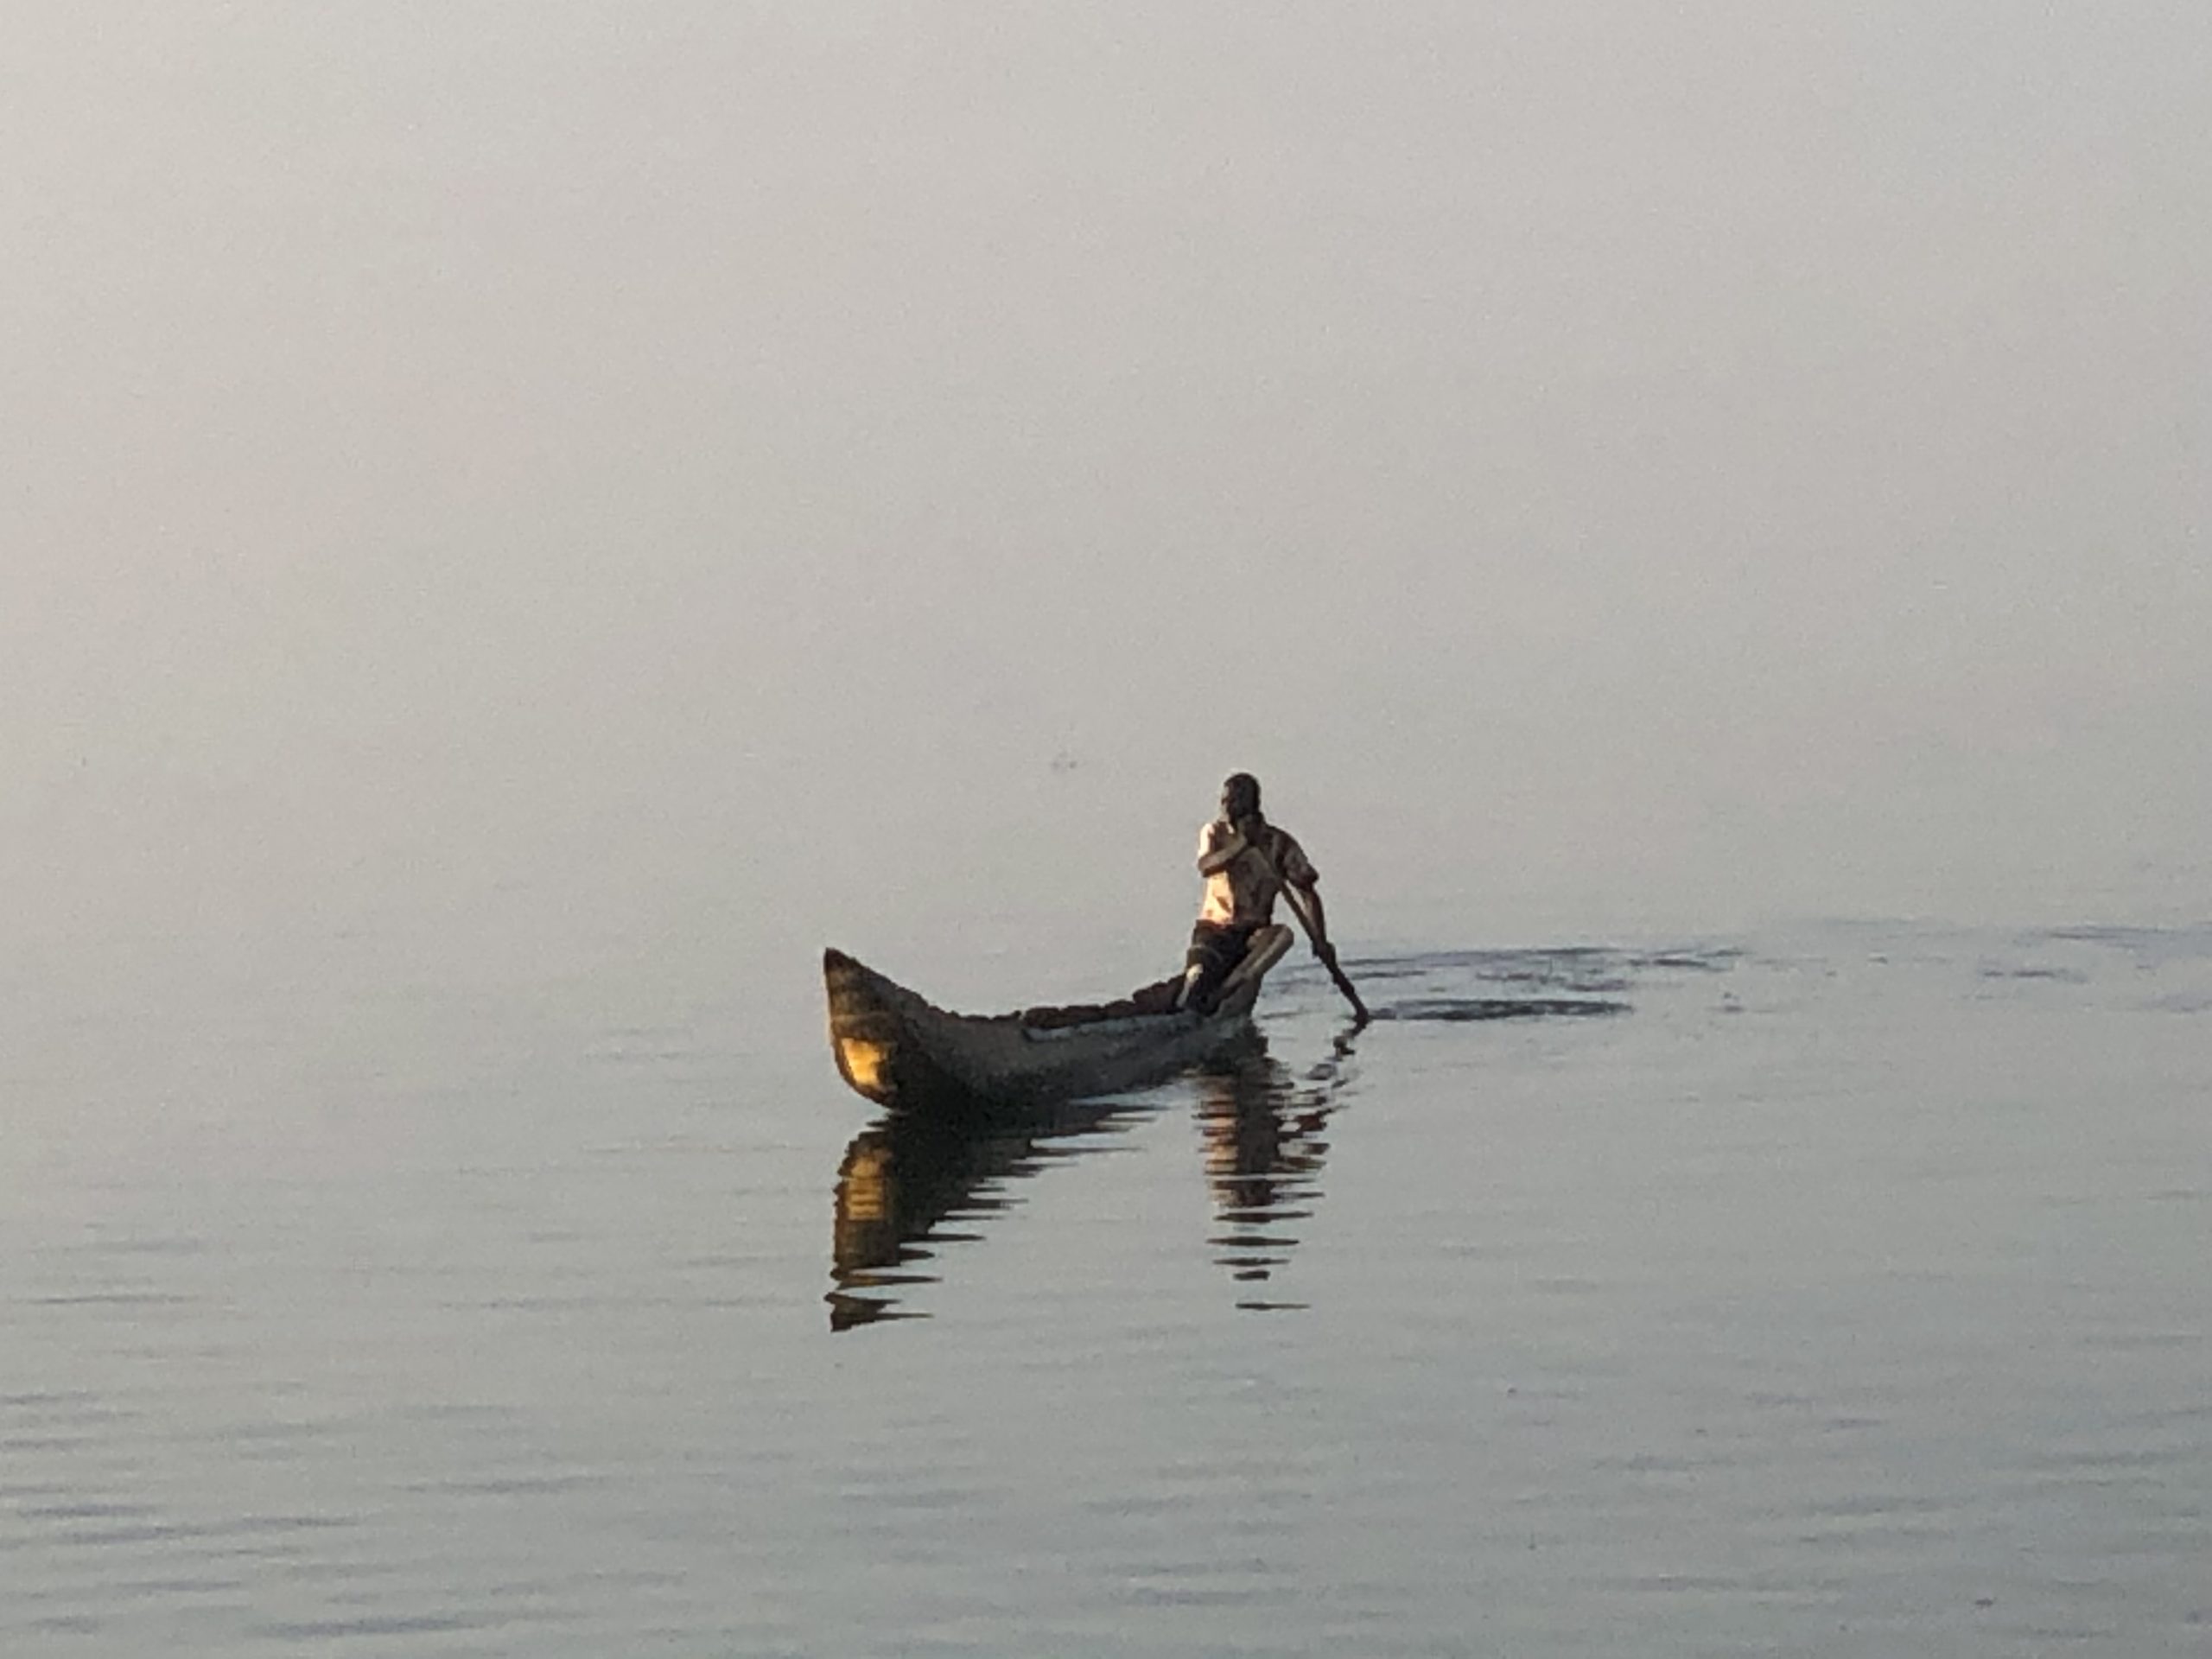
(903, 1052)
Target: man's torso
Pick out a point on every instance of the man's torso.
(1244, 894)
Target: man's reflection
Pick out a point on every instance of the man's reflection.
(1265, 1136)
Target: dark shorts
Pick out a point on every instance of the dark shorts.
(1215, 948)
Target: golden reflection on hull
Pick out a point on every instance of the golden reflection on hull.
(866, 1065)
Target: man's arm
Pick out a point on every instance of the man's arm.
(1222, 846)
(1301, 882)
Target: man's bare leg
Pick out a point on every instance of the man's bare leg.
(1268, 946)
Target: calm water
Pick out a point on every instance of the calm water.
(1840, 1290)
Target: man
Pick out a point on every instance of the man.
(1245, 861)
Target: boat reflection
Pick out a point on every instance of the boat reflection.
(904, 1178)
(1265, 1137)
(907, 1183)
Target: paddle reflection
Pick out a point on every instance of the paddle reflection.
(1265, 1135)
(904, 1180)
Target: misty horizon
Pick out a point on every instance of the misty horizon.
(1641, 471)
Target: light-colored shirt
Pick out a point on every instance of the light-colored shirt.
(1245, 892)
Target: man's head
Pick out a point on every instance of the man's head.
(1240, 796)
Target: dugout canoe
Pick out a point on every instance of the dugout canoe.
(903, 1052)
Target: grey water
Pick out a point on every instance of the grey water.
(1831, 1290)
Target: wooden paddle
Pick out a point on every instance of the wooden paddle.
(1322, 948)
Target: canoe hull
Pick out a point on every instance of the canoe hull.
(903, 1052)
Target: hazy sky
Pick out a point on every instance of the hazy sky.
(1601, 464)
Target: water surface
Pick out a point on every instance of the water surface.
(1833, 1291)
